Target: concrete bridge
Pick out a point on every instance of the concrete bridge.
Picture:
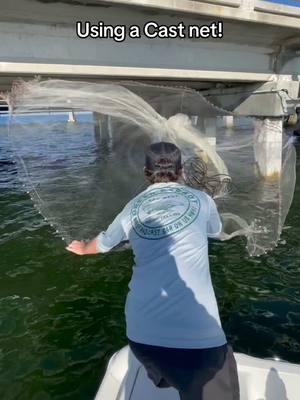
(253, 69)
(259, 50)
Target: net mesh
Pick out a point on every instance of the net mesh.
(81, 174)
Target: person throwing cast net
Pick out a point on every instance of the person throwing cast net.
(172, 319)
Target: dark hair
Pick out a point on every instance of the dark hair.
(163, 162)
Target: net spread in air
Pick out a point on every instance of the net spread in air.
(81, 174)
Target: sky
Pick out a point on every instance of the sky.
(294, 3)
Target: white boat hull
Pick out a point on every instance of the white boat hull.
(260, 379)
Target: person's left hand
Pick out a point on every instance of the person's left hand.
(77, 247)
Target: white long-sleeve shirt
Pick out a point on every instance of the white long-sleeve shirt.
(171, 301)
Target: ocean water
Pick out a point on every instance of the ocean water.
(61, 316)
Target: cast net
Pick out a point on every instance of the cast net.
(80, 173)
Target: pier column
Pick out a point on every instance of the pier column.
(194, 120)
(110, 130)
(268, 147)
(297, 127)
(228, 121)
(71, 117)
(97, 128)
(103, 130)
(198, 122)
(210, 127)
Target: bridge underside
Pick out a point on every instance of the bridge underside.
(38, 37)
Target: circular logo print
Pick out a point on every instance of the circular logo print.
(164, 211)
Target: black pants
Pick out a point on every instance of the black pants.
(197, 374)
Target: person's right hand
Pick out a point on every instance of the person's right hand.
(77, 247)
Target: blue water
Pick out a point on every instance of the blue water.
(44, 118)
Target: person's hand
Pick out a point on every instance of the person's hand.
(77, 247)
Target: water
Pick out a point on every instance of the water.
(61, 316)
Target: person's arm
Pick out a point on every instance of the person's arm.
(214, 224)
(104, 242)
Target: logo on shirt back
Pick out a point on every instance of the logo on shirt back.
(161, 212)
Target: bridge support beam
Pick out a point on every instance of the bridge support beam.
(97, 128)
(210, 128)
(270, 99)
(268, 147)
(206, 126)
(71, 117)
(228, 121)
(103, 130)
